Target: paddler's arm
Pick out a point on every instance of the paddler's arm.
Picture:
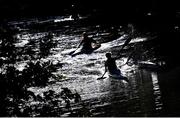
(80, 44)
(104, 71)
(106, 68)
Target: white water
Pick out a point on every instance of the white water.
(81, 72)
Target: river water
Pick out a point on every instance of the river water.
(106, 97)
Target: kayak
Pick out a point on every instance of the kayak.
(86, 51)
(117, 75)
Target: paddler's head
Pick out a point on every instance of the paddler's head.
(108, 55)
(84, 34)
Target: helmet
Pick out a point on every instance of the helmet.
(84, 34)
(108, 55)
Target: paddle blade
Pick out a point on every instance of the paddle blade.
(101, 78)
(72, 52)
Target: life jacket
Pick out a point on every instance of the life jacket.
(111, 65)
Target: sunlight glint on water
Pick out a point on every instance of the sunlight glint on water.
(157, 91)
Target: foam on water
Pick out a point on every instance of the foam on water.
(63, 19)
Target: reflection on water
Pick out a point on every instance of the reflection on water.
(157, 91)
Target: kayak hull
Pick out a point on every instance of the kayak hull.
(86, 51)
(118, 77)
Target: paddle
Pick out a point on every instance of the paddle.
(73, 51)
(102, 77)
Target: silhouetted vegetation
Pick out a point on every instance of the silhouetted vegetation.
(45, 45)
(14, 83)
(15, 96)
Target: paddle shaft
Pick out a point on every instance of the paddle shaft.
(103, 74)
(73, 51)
